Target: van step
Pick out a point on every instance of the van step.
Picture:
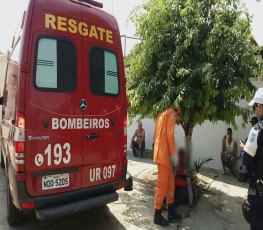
(69, 209)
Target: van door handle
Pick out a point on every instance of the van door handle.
(92, 136)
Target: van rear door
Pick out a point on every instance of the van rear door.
(52, 114)
(103, 137)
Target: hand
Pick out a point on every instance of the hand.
(174, 159)
(131, 146)
(140, 146)
(241, 145)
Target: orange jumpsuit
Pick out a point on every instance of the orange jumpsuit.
(164, 146)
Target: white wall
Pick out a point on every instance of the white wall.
(207, 138)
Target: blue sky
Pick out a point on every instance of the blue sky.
(11, 12)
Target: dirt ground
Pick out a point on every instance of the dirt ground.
(219, 207)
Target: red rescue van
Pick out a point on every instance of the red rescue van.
(64, 121)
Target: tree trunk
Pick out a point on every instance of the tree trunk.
(188, 130)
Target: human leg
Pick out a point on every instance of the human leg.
(172, 214)
(142, 149)
(134, 149)
(256, 210)
(162, 186)
(161, 191)
(223, 162)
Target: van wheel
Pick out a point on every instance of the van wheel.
(14, 215)
(2, 165)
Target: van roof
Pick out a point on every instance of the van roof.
(59, 6)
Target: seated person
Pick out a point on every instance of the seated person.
(229, 151)
(138, 140)
(181, 193)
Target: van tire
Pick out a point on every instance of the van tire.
(14, 215)
(2, 165)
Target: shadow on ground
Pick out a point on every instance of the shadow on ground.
(97, 218)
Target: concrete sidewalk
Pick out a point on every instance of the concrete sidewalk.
(219, 207)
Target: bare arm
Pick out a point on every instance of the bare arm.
(134, 135)
(224, 144)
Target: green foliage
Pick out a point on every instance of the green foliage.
(196, 54)
(199, 163)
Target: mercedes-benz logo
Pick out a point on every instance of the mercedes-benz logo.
(83, 104)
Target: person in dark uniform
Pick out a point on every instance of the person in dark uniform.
(253, 159)
(253, 121)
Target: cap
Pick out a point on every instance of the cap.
(254, 120)
(258, 97)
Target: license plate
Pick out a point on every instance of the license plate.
(55, 181)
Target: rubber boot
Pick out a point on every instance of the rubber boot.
(164, 207)
(159, 219)
(172, 214)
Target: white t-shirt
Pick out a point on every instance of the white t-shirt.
(252, 142)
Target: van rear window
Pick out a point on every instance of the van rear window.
(104, 76)
(55, 65)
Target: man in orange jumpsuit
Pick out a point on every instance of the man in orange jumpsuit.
(166, 159)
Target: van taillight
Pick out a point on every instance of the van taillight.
(19, 143)
(21, 121)
(19, 146)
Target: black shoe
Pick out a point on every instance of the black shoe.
(172, 214)
(159, 219)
